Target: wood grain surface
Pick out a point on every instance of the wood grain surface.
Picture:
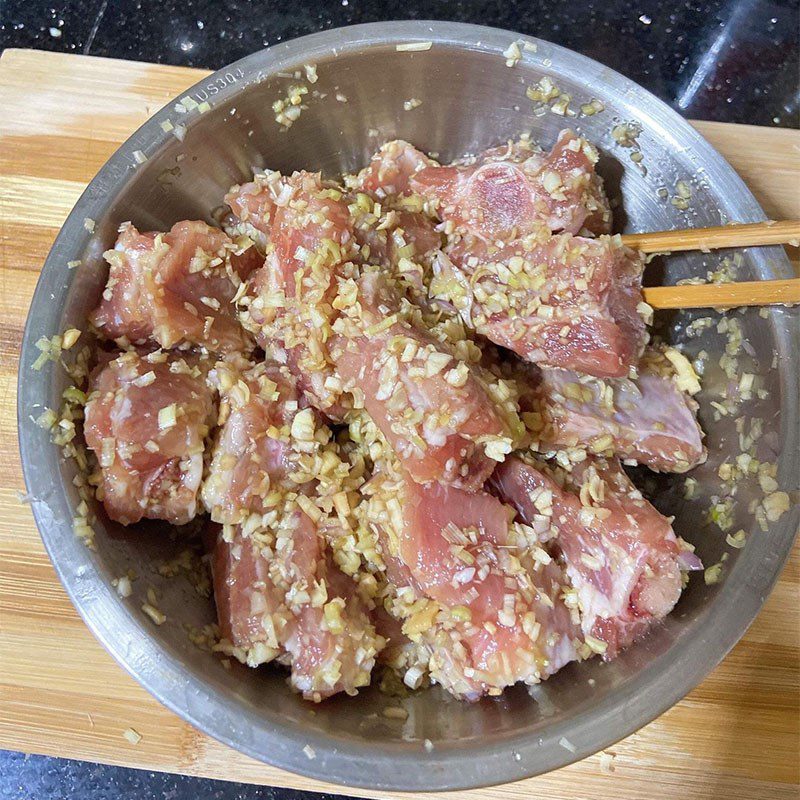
(61, 116)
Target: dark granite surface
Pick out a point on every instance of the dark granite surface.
(729, 60)
(25, 777)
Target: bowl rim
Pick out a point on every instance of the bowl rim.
(373, 766)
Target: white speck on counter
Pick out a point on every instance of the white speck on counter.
(310, 752)
(55, 33)
(645, 20)
(428, 745)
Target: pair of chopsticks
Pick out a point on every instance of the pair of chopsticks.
(722, 295)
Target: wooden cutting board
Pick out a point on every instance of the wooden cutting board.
(61, 116)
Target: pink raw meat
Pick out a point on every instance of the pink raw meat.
(621, 555)
(647, 419)
(433, 410)
(310, 242)
(175, 288)
(151, 462)
(500, 615)
(564, 301)
(510, 193)
(391, 169)
(279, 595)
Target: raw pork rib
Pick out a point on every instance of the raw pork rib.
(175, 288)
(621, 555)
(566, 301)
(252, 454)
(252, 205)
(278, 591)
(401, 241)
(481, 598)
(515, 191)
(433, 410)
(146, 420)
(311, 242)
(391, 169)
(648, 419)
(279, 595)
(389, 222)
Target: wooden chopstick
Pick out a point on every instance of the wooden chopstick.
(747, 235)
(724, 295)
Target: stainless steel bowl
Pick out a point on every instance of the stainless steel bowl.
(470, 99)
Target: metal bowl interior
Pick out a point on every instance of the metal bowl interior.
(470, 100)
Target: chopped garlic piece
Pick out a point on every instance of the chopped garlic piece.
(686, 377)
(512, 54)
(133, 736)
(158, 617)
(713, 574)
(167, 416)
(776, 505)
(413, 47)
(69, 338)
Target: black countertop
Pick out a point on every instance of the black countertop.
(727, 60)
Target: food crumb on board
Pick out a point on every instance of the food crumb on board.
(133, 736)
(607, 762)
